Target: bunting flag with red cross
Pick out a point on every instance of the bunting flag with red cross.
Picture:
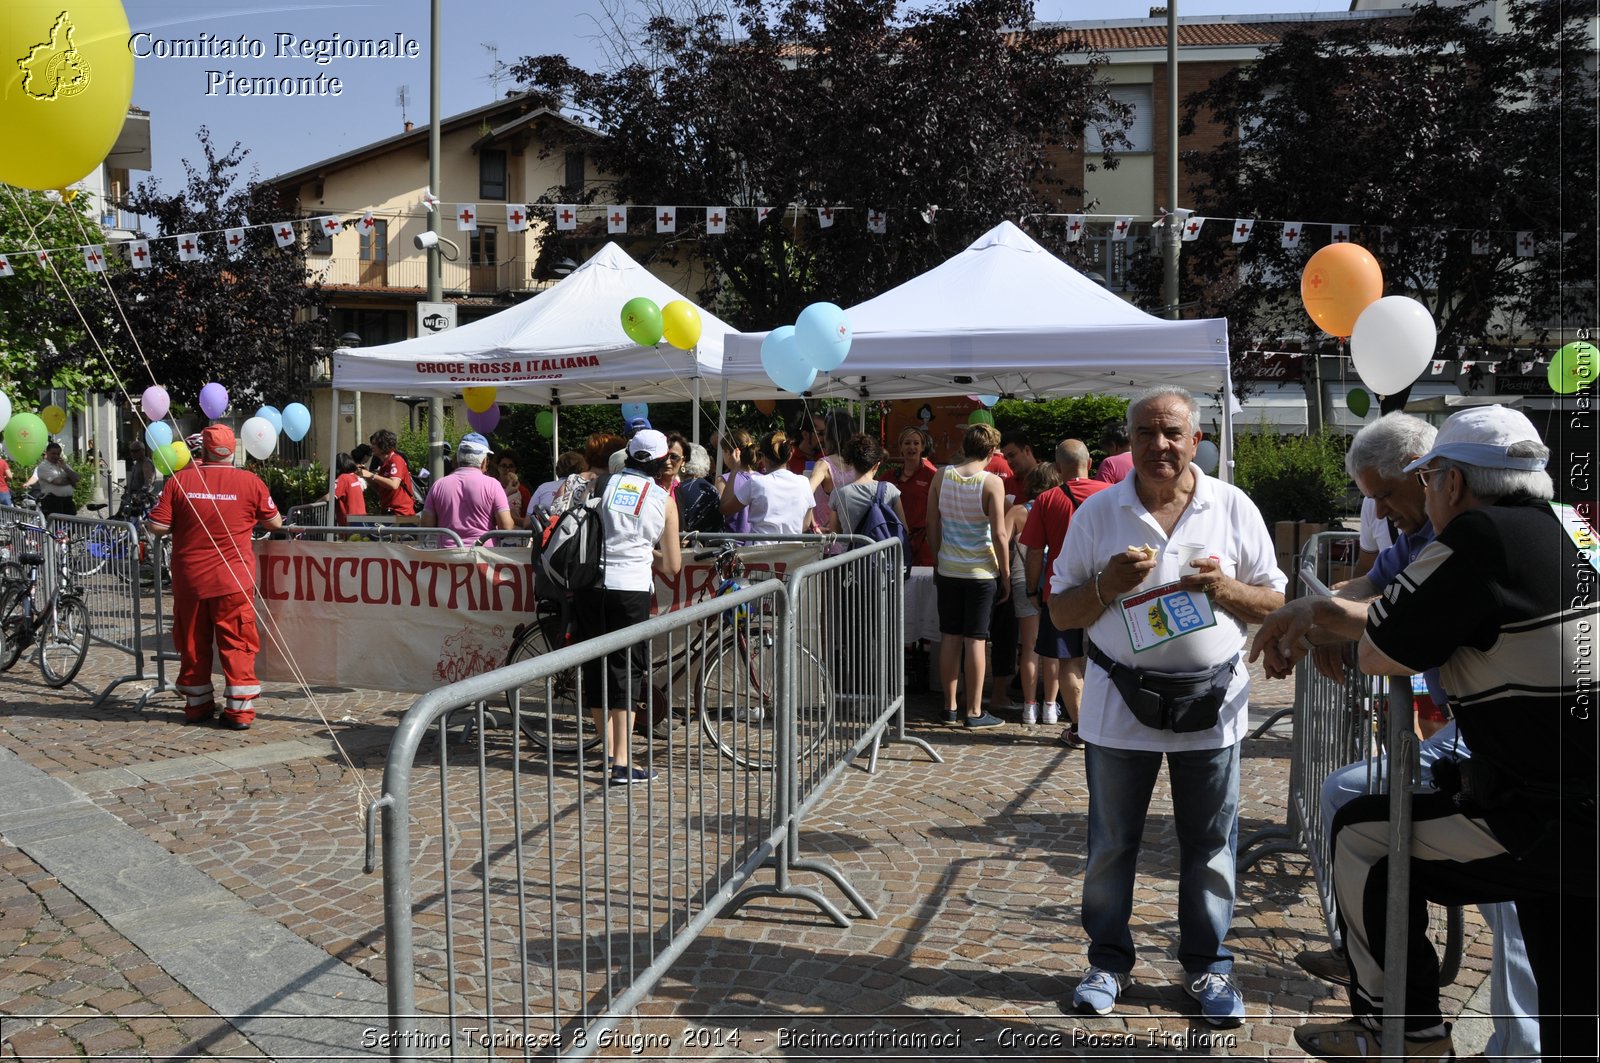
(1524, 245)
(328, 226)
(716, 221)
(1242, 228)
(566, 217)
(283, 232)
(6, 269)
(189, 247)
(43, 258)
(666, 219)
(367, 224)
(1481, 244)
(94, 258)
(1119, 231)
(139, 254)
(1341, 233)
(876, 222)
(517, 217)
(762, 212)
(234, 240)
(1191, 229)
(466, 217)
(429, 200)
(1075, 224)
(1292, 231)
(825, 217)
(1437, 368)
(616, 219)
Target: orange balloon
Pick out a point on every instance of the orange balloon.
(766, 406)
(1339, 282)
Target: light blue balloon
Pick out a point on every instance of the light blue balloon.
(271, 415)
(782, 362)
(157, 434)
(823, 334)
(296, 421)
(988, 400)
(630, 410)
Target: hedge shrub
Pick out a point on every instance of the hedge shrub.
(1295, 477)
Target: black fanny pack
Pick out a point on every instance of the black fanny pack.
(1169, 701)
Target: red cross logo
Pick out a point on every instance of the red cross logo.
(842, 331)
(466, 217)
(516, 216)
(1075, 226)
(1527, 243)
(616, 217)
(140, 253)
(764, 212)
(285, 232)
(367, 222)
(1315, 281)
(1340, 236)
(716, 220)
(875, 218)
(92, 258)
(236, 239)
(188, 247)
(4, 263)
(1122, 226)
(332, 225)
(1292, 234)
(827, 212)
(1194, 227)
(666, 217)
(1243, 230)
(44, 258)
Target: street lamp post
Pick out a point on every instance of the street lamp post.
(1171, 231)
(435, 279)
(352, 339)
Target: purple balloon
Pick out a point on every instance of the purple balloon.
(214, 400)
(486, 421)
(155, 402)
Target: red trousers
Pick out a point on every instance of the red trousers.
(230, 621)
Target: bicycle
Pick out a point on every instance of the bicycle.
(107, 543)
(59, 625)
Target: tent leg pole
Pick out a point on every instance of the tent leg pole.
(555, 430)
(1225, 462)
(722, 426)
(332, 446)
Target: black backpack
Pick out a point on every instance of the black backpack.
(569, 551)
(880, 522)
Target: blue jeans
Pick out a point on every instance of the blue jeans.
(1205, 802)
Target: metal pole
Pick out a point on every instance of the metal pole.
(435, 280)
(1170, 232)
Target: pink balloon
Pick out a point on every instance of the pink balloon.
(214, 400)
(155, 402)
(486, 421)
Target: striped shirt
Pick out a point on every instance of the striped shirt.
(966, 540)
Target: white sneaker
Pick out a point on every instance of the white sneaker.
(1030, 712)
(1052, 712)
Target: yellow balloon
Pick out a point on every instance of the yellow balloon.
(66, 76)
(478, 399)
(680, 324)
(54, 418)
(180, 454)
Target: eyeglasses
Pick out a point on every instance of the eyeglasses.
(1423, 474)
(674, 457)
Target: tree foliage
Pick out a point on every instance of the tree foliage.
(856, 104)
(249, 321)
(1419, 130)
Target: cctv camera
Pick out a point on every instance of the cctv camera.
(426, 240)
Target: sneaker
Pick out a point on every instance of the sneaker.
(985, 720)
(1220, 1003)
(952, 715)
(1326, 964)
(1070, 739)
(627, 775)
(1052, 712)
(749, 713)
(1353, 1039)
(1098, 991)
(1030, 713)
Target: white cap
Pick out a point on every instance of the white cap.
(648, 444)
(1483, 436)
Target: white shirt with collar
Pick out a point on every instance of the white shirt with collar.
(1108, 522)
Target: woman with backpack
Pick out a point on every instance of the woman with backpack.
(779, 500)
(641, 534)
(864, 454)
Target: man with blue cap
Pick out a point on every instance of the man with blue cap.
(469, 501)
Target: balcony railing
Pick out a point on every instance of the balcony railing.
(411, 272)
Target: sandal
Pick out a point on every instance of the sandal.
(1355, 1040)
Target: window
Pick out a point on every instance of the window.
(1141, 133)
(491, 174)
(575, 168)
(375, 245)
(482, 249)
(321, 242)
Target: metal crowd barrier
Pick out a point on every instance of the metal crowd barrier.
(541, 904)
(435, 538)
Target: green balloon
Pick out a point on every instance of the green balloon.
(641, 320)
(980, 417)
(26, 437)
(544, 424)
(1573, 368)
(1358, 401)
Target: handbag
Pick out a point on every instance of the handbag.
(1181, 702)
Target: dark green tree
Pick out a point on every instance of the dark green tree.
(249, 319)
(1421, 131)
(946, 118)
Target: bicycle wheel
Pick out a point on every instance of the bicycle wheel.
(64, 642)
(13, 626)
(736, 697)
(551, 715)
(89, 555)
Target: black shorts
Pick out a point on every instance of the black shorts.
(965, 605)
(1060, 645)
(616, 680)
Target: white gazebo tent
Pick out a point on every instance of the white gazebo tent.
(1006, 317)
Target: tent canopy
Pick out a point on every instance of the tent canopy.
(1005, 317)
(567, 341)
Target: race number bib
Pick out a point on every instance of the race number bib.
(1164, 613)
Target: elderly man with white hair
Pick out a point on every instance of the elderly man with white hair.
(1500, 602)
(470, 501)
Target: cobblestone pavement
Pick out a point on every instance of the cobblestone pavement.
(973, 865)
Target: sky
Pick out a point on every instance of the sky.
(184, 92)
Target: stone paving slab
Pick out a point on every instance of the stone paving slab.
(973, 866)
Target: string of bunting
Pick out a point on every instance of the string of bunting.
(712, 221)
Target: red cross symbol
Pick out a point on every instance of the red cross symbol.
(44, 258)
(1340, 236)
(367, 222)
(827, 212)
(764, 212)
(1292, 234)
(516, 216)
(285, 232)
(332, 225)
(465, 216)
(1075, 226)
(1243, 230)
(4, 263)
(875, 218)
(1527, 243)
(1315, 281)
(616, 217)
(188, 247)
(91, 258)
(842, 330)
(140, 253)
(236, 239)
(716, 219)
(1122, 226)
(666, 217)
(1194, 227)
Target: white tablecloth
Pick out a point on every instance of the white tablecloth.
(922, 605)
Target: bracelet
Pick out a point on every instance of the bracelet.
(1097, 595)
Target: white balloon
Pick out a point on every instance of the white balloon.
(1206, 455)
(1392, 343)
(5, 410)
(260, 438)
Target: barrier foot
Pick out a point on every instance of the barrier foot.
(920, 743)
(851, 894)
(750, 893)
(1265, 843)
(1271, 721)
(872, 753)
(161, 687)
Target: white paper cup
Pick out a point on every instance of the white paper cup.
(1187, 552)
